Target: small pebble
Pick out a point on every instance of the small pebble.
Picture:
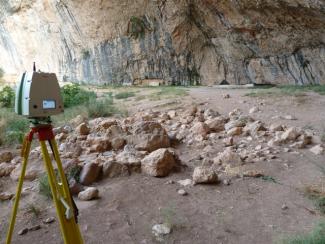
(49, 220)
(23, 231)
(284, 207)
(182, 192)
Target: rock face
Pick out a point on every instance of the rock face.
(180, 42)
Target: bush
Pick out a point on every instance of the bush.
(101, 108)
(44, 186)
(7, 97)
(16, 130)
(1, 72)
(75, 95)
(124, 95)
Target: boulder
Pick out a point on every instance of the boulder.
(172, 114)
(254, 110)
(159, 163)
(276, 127)
(200, 129)
(234, 123)
(148, 136)
(227, 157)
(83, 129)
(118, 143)
(6, 169)
(113, 169)
(210, 114)
(204, 175)
(6, 196)
(89, 173)
(34, 169)
(131, 159)
(236, 131)
(317, 150)
(216, 124)
(75, 187)
(77, 120)
(6, 156)
(291, 134)
(253, 128)
(89, 194)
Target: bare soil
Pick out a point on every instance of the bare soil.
(249, 210)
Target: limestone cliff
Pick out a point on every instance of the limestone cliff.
(176, 41)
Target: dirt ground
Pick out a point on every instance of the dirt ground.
(249, 210)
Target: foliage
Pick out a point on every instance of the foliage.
(2, 72)
(101, 108)
(85, 54)
(31, 208)
(317, 195)
(7, 97)
(287, 90)
(124, 95)
(317, 236)
(75, 95)
(74, 173)
(168, 92)
(44, 186)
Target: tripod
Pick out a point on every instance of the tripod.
(64, 204)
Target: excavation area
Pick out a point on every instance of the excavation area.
(176, 165)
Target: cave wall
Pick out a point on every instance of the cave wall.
(184, 41)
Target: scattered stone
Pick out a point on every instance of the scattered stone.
(234, 123)
(75, 187)
(229, 141)
(161, 229)
(6, 156)
(182, 192)
(118, 143)
(226, 96)
(113, 169)
(291, 134)
(317, 150)
(276, 127)
(236, 131)
(186, 182)
(131, 159)
(253, 173)
(172, 114)
(4, 196)
(204, 175)
(89, 194)
(169, 182)
(227, 157)
(200, 129)
(6, 169)
(23, 231)
(216, 124)
(254, 110)
(34, 228)
(158, 163)
(83, 129)
(226, 182)
(284, 207)
(49, 220)
(89, 173)
(289, 117)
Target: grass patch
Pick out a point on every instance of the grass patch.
(32, 209)
(168, 92)
(317, 195)
(124, 95)
(12, 127)
(317, 236)
(287, 90)
(44, 186)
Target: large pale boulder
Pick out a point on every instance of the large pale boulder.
(89, 194)
(159, 163)
(227, 157)
(148, 136)
(216, 124)
(113, 169)
(204, 175)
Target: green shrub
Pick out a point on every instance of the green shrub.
(101, 108)
(124, 95)
(75, 95)
(7, 97)
(317, 236)
(44, 186)
(2, 72)
(74, 173)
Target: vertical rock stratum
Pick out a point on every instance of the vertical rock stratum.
(174, 41)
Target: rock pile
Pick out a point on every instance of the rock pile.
(146, 142)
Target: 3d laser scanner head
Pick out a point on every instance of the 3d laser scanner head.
(38, 95)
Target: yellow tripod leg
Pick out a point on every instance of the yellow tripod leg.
(61, 197)
(25, 155)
